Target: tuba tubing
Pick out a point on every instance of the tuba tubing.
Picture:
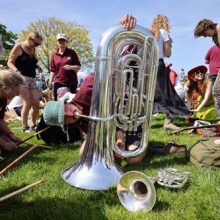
(96, 169)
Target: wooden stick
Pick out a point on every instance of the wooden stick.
(20, 190)
(194, 127)
(39, 132)
(18, 159)
(41, 145)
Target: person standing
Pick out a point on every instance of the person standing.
(23, 59)
(208, 28)
(212, 58)
(64, 66)
(166, 100)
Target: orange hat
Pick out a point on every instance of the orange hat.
(201, 68)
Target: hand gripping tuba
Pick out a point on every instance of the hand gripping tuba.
(122, 98)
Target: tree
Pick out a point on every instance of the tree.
(78, 40)
(7, 41)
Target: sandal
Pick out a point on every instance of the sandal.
(170, 148)
(26, 129)
(33, 128)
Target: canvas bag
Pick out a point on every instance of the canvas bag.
(206, 153)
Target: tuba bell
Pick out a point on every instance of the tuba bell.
(122, 98)
(136, 192)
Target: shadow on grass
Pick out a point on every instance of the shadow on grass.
(53, 208)
(161, 206)
(157, 161)
(35, 155)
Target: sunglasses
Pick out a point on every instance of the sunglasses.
(199, 73)
(35, 43)
(62, 40)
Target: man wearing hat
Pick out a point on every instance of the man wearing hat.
(64, 66)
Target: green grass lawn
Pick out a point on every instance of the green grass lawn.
(55, 199)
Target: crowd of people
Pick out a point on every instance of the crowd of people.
(176, 95)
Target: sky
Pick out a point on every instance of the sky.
(98, 15)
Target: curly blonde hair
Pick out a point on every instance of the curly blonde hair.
(162, 22)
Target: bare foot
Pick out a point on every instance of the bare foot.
(121, 145)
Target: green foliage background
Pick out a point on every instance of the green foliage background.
(8, 40)
(49, 28)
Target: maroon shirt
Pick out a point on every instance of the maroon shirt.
(83, 99)
(213, 58)
(62, 76)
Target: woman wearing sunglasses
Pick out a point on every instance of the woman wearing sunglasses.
(23, 59)
(199, 94)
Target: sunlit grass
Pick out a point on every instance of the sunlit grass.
(54, 199)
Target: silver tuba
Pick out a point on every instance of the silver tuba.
(122, 98)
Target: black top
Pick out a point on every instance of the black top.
(26, 64)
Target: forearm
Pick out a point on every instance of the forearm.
(204, 101)
(51, 78)
(4, 127)
(76, 68)
(167, 49)
(12, 66)
(206, 98)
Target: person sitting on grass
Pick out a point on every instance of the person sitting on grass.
(62, 113)
(199, 83)
(9, 88)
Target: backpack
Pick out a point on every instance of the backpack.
(206, 153)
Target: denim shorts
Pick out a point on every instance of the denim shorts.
(29, 82)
